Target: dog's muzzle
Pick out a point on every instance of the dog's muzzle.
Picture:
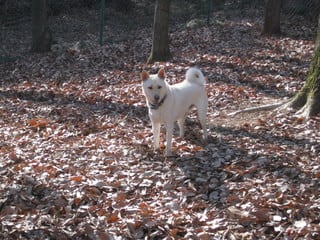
(156, 98)
(155, 106)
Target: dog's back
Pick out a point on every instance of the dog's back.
(190, 92)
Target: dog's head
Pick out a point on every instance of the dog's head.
(154, 87)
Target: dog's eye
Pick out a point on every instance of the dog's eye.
(150, 87)
(159, 87)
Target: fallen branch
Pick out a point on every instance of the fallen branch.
(259, 108)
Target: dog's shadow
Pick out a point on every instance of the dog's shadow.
(193, 132)
(193, 139)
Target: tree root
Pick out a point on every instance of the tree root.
(309, 109)
(304, 103)
(260, 108)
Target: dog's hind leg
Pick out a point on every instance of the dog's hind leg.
(202, 114)
(181, 126)
(204, 128)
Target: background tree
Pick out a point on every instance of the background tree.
(41, 35)
(308, 98)
(307, 101)
(160, 39)
(272, 17)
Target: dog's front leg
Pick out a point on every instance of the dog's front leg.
(169, 133)
(156, 134)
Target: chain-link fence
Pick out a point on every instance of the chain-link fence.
(15, 17)
(308, 8)
(73, 20)
(68, 20)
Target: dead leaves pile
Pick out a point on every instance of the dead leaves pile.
(75, 144)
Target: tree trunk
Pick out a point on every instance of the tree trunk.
(41, 35)
(272, 17)
(308, 98)
(160, 43)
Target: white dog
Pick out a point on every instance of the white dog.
(169, 103)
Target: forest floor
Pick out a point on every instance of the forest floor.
(76, 157)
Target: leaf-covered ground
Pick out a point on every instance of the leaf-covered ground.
(76, 158)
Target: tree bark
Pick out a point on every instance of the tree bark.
(160, 39)
(272, 17)
(308, 98)
(41, 35)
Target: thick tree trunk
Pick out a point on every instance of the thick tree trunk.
(272, 17)
(160, 43)
(308, 98)
(41, 35)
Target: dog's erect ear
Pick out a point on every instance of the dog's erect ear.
(144, 75)
(162, 73)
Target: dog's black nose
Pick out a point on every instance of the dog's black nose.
(156, 97)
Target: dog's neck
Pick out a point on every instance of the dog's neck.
(156, 106)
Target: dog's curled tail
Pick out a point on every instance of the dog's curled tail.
(194, 75)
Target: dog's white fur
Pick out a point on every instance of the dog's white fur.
(169, 103)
